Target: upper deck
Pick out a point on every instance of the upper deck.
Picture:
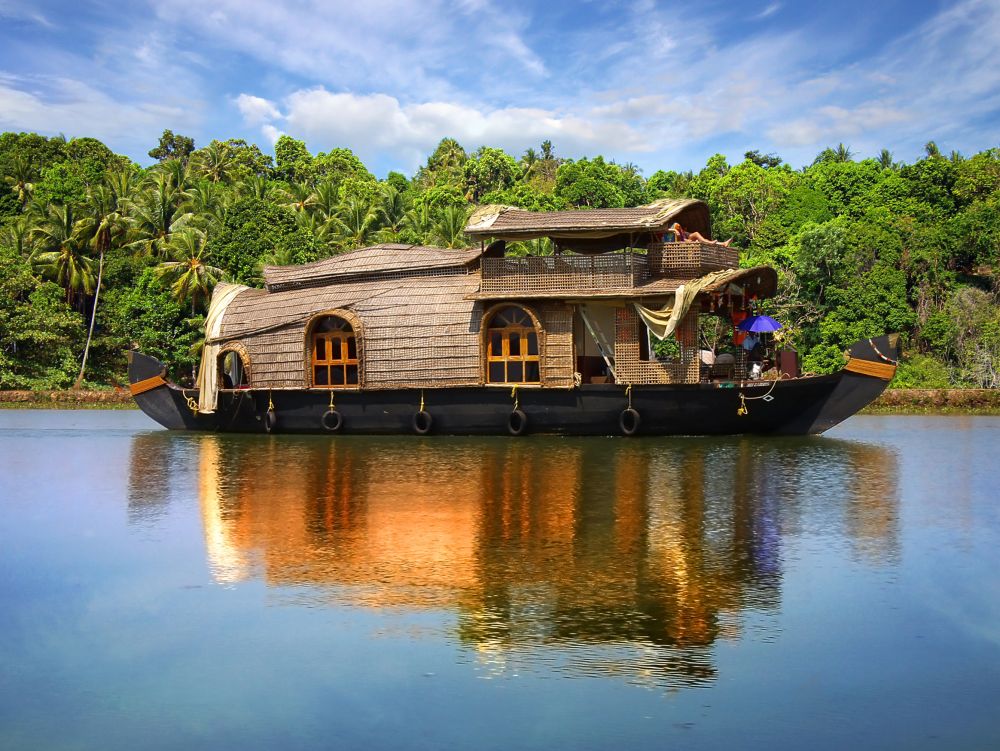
(603, 275)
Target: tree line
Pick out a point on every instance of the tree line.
(98, 254)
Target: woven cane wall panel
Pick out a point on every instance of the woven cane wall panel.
(630, 368)
(416, 331)
(558, 365)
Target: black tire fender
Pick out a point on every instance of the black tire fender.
(517, 422)
(332, 421)
(270, 421)
(629, 421)
(422, 422)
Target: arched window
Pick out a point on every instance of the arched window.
(234, 369)
(334, 353)
(512, 347)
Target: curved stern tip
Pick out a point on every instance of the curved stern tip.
(870, 366)
(153, 394)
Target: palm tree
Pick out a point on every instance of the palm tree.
(355, 223)
(323, 229)
(392, 209)
(528, 162)
(106, 225)
(178, 172)
(215, 162)
(63, 258)
(19, 234)
(932, 150)
(156, 215)
(259, 187)
(885, 159)
(842, 153)
(419, 222)
(125, 186)
(188, 272)
(449, 228)
(326, 199)
(205, 200)
(299, 197)
(21, 178)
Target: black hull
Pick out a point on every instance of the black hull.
(799, 406)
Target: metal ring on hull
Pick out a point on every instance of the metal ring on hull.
(422, 422)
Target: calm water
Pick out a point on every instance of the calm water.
(181, 591)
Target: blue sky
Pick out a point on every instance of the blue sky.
(661, 84)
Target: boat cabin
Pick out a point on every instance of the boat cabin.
(620, 300)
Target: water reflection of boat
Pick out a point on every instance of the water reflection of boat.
(632, 558)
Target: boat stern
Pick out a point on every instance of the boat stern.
(160, 399)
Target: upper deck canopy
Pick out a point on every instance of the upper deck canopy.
(386, 258)
(591, 230)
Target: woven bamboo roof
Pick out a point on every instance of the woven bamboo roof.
(759, 280)
(580, 229)
(387, 258)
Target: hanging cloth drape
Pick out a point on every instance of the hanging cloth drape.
(663, 322)
(208, 374)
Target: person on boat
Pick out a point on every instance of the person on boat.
(693, 237)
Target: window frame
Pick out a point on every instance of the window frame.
(523, 358)
(335, 342)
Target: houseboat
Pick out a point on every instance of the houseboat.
(406, 339)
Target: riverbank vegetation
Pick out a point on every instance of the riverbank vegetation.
(98, 254)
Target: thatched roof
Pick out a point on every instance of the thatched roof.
(589, 229)
(386, 258)
(759, 280)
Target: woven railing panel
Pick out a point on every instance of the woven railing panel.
(563, 274)
(690, 259)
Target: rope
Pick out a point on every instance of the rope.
(887, 359)
(421, 400)
(270, 402)
(517, 399)
(191, 403)
(763, 396)
(628, 393)
(743, 410)
(331, 400)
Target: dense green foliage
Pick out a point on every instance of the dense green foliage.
(91, 241)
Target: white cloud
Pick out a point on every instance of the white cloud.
(256, 110)
(770, 10)
(379, 123)
(19, 13)
(395, 45)
(63, 105)
(390, 78)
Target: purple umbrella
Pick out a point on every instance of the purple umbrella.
(759, 324)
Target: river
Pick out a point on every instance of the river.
(177, 591)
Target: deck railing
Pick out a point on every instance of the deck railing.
(612, 272)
